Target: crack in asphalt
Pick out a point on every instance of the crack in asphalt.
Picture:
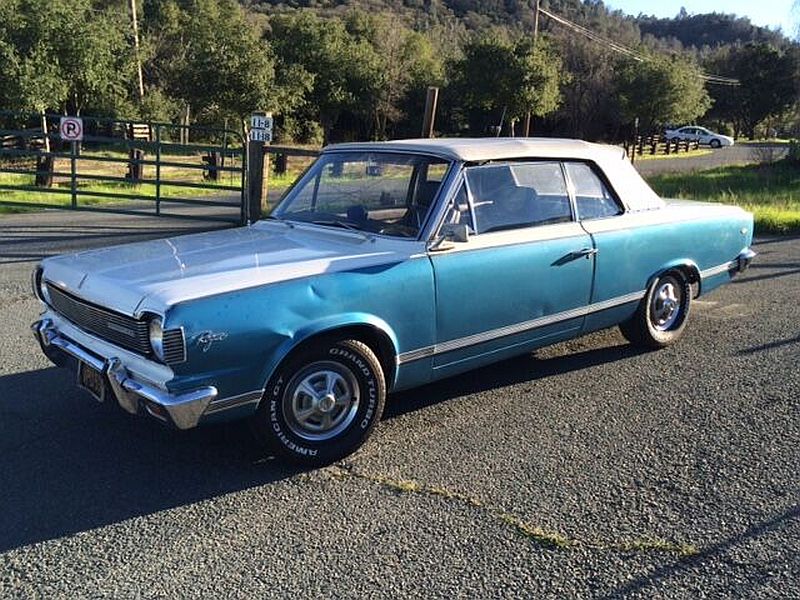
(543, 537)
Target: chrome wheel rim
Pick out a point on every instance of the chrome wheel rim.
(665, 307)
(321, 401)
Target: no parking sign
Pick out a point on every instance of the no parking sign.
(71, 129)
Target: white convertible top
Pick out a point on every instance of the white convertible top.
(623, 177)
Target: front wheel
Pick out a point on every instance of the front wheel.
(661, 317)
(322, 403)
(716, 144)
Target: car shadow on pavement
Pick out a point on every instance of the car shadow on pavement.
(527, 367)
(778, 270)
(638, 586)
(70, 465)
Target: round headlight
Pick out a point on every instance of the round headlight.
(45, 294)
(39, 287)
(156, 329)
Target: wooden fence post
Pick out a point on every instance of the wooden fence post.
(255, 180)
(260, 133)
(430, 112)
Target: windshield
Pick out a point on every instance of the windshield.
(374, 192)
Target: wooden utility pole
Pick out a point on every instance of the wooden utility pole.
(430, 112)
(527, 126)
(135, 23)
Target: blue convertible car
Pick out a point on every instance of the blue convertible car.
(386, 266)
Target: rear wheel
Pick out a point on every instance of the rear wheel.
(322, 403)
(661, 317)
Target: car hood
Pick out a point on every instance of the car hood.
(154, 275)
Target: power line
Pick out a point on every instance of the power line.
(620, 49)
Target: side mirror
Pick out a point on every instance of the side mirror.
(456, 232)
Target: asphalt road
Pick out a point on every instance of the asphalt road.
(738, 154)
(670, 474)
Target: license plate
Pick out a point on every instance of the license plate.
(92, 381)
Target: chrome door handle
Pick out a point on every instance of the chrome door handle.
(587, 252)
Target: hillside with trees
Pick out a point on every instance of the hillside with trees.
(335, 70)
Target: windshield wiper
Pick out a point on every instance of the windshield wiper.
(343, 225)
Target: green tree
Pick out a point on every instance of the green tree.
(341, 70)
(405, 62)
(587, 109)
(768, 86)
(498, 76)
(661, 91)
(206, 54)
(44, 68)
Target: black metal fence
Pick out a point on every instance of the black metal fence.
(126, 167)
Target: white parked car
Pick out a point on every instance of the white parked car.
(701, 134)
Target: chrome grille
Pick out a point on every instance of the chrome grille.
(174, 346)
(118, 329)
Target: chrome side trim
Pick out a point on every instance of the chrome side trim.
(223, 404)
(618, 301)
(738, 265)
(487, 336)
(501, 332)
(719, 269)
(425, 352)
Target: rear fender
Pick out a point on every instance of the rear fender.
(686, 266)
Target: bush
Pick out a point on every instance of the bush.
(725, 128)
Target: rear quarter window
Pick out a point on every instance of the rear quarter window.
(593, 198)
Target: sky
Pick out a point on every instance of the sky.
(769, 13)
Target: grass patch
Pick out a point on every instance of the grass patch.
(764, 141)
(770, 191)
(540, 536)
(690, 154)
(62, 197)
(535, 533)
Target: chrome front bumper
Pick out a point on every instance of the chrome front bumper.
(182, 410)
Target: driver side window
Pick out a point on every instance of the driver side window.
(517, 195)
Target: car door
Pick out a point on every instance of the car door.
(522, 279)
(624, 257)
(704, 136)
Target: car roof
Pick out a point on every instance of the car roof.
(626, 181)
(482, 149)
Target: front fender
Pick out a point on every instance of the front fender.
(325, 326)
